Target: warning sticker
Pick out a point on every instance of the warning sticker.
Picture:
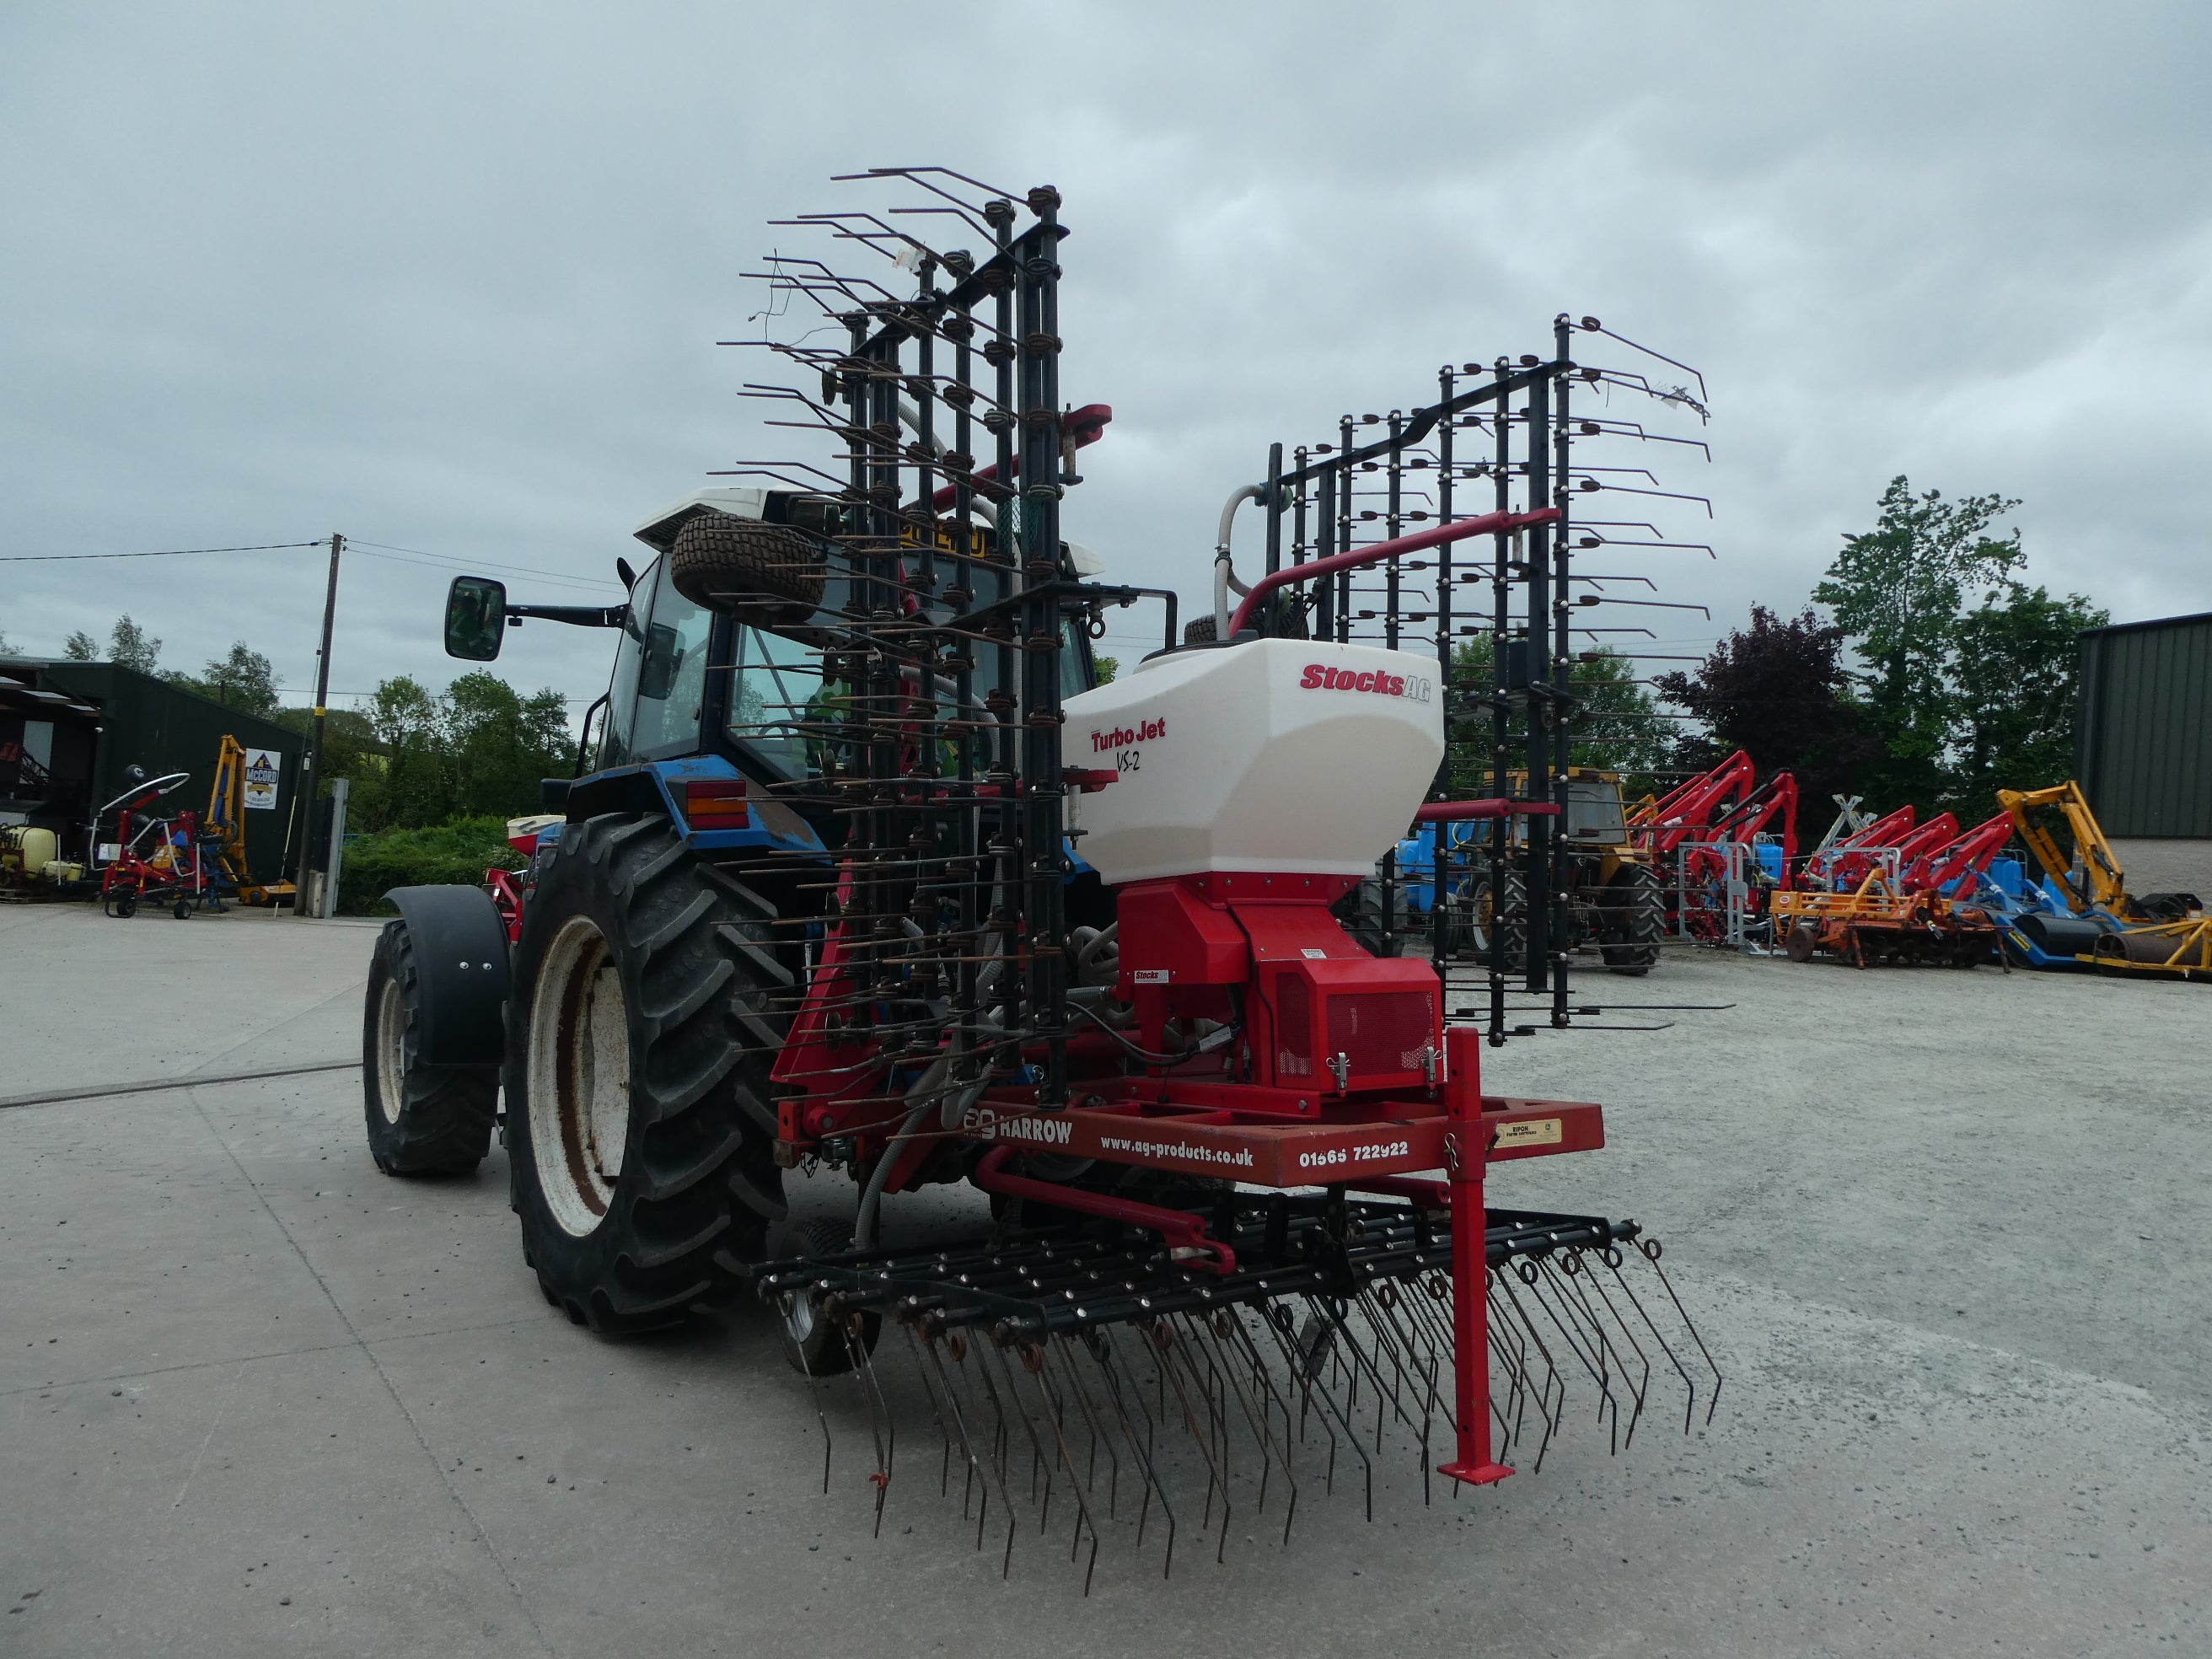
(265, 769)
(1529, 1131)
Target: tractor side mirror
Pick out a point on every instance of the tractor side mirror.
(475, 618)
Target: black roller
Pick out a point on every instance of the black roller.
(2060, 936)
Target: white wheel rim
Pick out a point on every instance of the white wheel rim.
(390, 1054)
(579, 1077)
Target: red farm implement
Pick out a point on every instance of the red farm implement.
(156, 857)
(1724, 843)
(868, 874)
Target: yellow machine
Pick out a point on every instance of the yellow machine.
(224, 830)
(2154, 933)
(2091, 879)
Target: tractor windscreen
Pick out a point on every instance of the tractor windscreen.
(1594, 812)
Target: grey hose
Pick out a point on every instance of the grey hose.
(864, 1221)
(1224, 575)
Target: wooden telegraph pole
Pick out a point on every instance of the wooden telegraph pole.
(303, 806)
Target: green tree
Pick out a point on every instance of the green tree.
(418, 779)
(1898, 592)
(1778, 691)
(1617, 725)
(80, 647)
(2017, 674)
(1106, 667)
(6, 649)
(130, 646)
(503, 743)
(242, 680)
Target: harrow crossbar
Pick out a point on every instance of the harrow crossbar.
(1066, 1279)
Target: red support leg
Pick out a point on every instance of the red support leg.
(1464, 1154)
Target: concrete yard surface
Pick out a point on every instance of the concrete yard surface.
(1947, 1232)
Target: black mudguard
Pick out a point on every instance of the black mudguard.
(461, 955)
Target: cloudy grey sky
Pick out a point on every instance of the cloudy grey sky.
(448, 277)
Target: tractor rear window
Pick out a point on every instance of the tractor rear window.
(776, 697)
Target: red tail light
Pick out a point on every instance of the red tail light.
(716, 804)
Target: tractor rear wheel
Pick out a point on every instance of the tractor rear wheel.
(422, 1120)
(1634, 919)
(640, 1033)
(1477, 920)
(1379, 918)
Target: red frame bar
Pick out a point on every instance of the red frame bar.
(1488, 523)
(1462, 811)
(1466, 1151)
(1184, 1232)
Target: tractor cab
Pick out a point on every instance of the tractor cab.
(726, 640)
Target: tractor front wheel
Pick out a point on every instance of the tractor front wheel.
(1635, 918)
(639, 1034)
(423, 1118)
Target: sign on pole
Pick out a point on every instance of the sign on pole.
(263, 770)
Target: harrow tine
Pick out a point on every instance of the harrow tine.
(1037, 1463)
(879, 1416)
(1554, 1416)
(1032, 1358)
(1567, 1275)
(1264, 1379)
(1537, 1273)
(1379, 1302)
(1314, 1385)
(947, 1426)
(1255, 1415)
(1592, 1286)
(989, 1470)
(1689, 1410)
(1063, 1345)
(1159, 1346)
(1648, 1248)
(1101, 1349)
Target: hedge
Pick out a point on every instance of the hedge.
(459, 851)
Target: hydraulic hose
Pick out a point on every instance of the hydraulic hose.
(1224, 575)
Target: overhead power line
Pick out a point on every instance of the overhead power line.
(488, 564)
(163, 553)
(383, 550)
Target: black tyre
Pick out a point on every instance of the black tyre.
(639, 1034)
(1200, 630)
(1379, 920)
(126, 905)
(769, 574)
(1476, 918)
(1803, 941)
(422, 1120)
(1632, 921)
(814, 1341)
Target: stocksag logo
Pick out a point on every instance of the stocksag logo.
(1319, 676)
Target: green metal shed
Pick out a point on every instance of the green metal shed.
(2143, 729)
(147, 721)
